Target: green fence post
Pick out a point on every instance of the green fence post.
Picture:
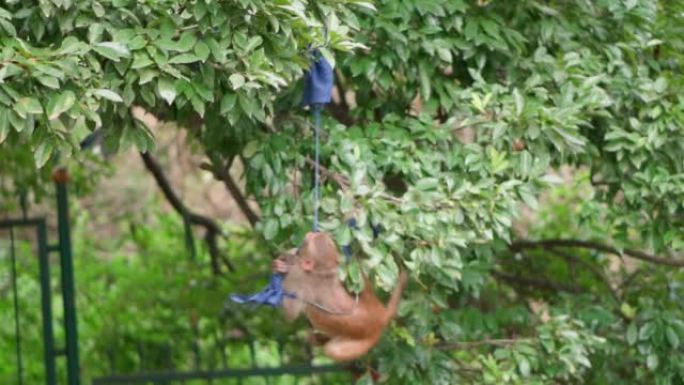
(15, 296)
(61, 178)
(46, 304)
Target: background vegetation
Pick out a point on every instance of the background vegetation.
(523, 160)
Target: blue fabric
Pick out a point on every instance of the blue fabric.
(318, 81)
(271, 295)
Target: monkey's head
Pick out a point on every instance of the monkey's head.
(318, 253)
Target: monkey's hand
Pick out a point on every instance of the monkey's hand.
(280, 266)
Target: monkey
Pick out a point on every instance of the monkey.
(351, 325)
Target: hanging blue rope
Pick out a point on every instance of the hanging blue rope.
(318, 84)
(317, 172)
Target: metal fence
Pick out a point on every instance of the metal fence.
(52, 349)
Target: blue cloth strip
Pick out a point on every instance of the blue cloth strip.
(272, 295)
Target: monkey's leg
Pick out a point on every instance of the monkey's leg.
(343, 349)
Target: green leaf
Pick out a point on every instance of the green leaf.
(98, 9)
(250, 149)
(28, 105)
(49, 81)
(147, 75)
(202, 50)
(652, 361)
(184, 58)
(519, 102)
(42, 153)
(203, 91)
(632, 333)
(427, 184)
(425, 88)
(111, 50)
(237, 80)
(17, 121)
(227, 103)
(254, 42)
(660, 85)
(137, 43)
(49, 70)
(646, 331)
(4, 124)
(141, 60)
(108, 94)
(95, 32)
(248, 105)
(197, 105)
(524, 366)
(445, 54)
(60, 103)
(186, 42)
(8, 27)
(270, 229)
(672, 337)
(166, 90)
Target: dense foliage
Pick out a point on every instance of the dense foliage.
(450, 116)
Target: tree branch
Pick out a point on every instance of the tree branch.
(599, 273)
(538, 283)
(341, 180)
(223, 174)
(485, 342)
(551, 243)
(213, 231)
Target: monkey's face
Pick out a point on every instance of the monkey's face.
(318, 252)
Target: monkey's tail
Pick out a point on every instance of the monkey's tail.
(393, 303)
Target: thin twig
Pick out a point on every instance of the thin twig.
(538, 283)
(551, 243)
(486, 342)
(594, 269)
(340, 179)
(223, 174)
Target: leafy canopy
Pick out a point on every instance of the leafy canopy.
(449, 116)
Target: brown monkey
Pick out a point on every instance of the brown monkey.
(352, 325)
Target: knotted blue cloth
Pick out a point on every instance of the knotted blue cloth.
(318, 81)
(272, 294)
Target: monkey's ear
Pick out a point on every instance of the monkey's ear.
(307, 264)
